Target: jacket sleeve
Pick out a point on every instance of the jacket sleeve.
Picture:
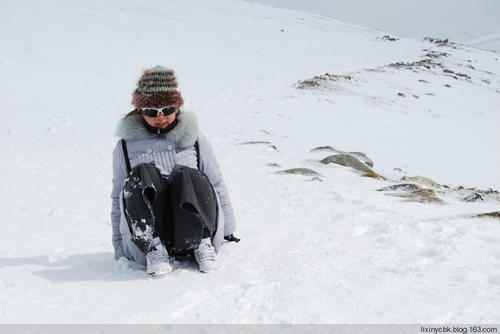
(209, 166)
(119, 175)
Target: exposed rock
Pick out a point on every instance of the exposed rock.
(463, 75)
(416, 96)
(401, 94)
(424, 192)
(261, 142)
(495, 214)
(422, 80)
(429, 60)
(401, 187)
(427, 63)
(448, 85)
(421, 180)
(421, 195)
(374, 175)
(435, 54)
(273, 164)
(376, 70)
(362, 156)
(474, 197)
(310, 83)
(324, 148)
(448, 71)
(300, 171)
(316, 81)
(485, 192)
(335, 77)
(389, 38)
(426, 195)
(348, 161)
(489, 191)
(440, 42)
(480, 192)
(358, 155)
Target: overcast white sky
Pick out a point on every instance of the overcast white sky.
(435, 18)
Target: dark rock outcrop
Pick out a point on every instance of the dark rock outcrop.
(474, 197)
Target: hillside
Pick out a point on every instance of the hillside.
(319, 243)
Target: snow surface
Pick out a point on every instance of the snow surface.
(474, 23)
(324, 250)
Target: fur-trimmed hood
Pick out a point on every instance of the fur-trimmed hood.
(184, 134)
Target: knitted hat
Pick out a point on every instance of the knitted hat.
(157, 88)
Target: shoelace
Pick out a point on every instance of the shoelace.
(156, 255)
(206, 252)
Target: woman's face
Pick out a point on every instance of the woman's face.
(160, 121)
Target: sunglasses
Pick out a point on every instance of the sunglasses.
(155, 112)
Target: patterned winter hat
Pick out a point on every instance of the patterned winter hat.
(157, 88)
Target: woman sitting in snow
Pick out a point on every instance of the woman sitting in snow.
(168, 193)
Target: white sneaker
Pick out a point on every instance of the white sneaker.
(205, 256)
(157, 261)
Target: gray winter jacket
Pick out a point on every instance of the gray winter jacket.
(166, 150)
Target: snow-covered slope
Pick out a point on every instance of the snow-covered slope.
(487, 40)
(473, 23)
(315, 249)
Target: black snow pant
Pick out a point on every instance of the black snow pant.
(180, 210)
